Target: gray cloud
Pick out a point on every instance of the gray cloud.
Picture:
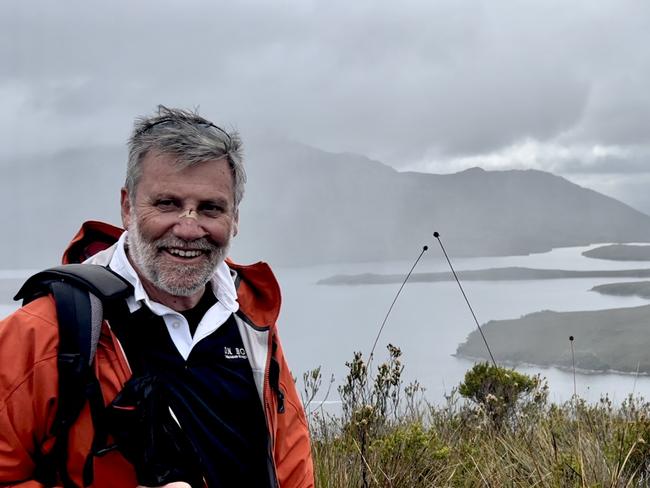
(632, 164)
(422, 83)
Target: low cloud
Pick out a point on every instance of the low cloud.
(549, 156)
(435, 86)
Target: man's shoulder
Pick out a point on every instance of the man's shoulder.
(28, 338)
(33, 326)
(39, 313)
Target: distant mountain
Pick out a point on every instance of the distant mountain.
(47, 198)
(303, 205)
(339, 207)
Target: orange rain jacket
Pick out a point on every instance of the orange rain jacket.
(28, 382)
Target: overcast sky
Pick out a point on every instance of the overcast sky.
(426, 85)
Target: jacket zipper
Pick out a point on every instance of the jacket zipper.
(268, 411)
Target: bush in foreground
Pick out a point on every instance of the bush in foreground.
(497, 429)
(503, 393)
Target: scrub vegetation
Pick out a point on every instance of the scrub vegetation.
(497, 428)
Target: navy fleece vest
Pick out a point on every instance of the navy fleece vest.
(212, 394)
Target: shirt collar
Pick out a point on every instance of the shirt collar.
(223, 285)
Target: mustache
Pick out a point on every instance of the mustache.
(202, 244)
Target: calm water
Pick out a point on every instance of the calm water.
(324, 325)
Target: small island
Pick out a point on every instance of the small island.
(616, 340)
(639, 289)
(620, 252)
(491, 274)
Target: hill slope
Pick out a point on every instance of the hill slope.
(345, 207)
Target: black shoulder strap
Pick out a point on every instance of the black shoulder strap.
(274, 378)
(81, 292)
(98, 280)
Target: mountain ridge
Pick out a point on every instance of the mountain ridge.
(306, 206)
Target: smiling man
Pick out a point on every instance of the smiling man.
(190, 365)
(180, 222)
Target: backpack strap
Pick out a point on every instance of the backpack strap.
(99, 280)
(274, 378)
(81, 292)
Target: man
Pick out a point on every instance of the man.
(194, 347)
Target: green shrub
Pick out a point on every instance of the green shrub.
(500, 391)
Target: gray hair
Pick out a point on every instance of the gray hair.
(191, 137)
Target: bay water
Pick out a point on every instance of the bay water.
(323, 325)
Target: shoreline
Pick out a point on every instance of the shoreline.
(559, 367)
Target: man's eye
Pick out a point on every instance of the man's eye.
(211, 209)
(166, 204)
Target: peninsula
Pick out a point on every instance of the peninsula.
(620, 252)
(604, 340)
(639, 289)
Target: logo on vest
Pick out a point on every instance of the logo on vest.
(234, 353)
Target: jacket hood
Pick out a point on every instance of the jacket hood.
(92, 238)
(258, 292)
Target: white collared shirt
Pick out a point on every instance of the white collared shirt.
(223, 288)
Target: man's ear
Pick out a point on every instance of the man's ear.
(235, 223)
(125, 208)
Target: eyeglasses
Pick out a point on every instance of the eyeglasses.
(167, 120)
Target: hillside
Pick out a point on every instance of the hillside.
(605, 340)
(339, 207)
(307, 206)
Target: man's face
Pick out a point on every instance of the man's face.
(180, 222)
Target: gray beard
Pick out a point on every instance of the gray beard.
(176, 279)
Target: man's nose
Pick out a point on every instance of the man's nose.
(188, 226)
